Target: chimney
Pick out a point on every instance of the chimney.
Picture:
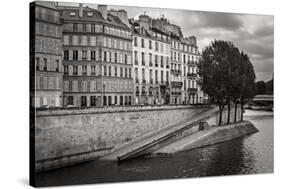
(81, 9)
(103, 10)
(121, 14)
(192, 40)
(144, 21)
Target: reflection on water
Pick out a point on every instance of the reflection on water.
(247, 155)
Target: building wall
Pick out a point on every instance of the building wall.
(192, 92)
(176, 72)
(48, 55)
(147, 72)
(97, 63)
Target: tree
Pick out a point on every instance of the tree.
(214, 69)
(260, 87)
(234, 78)
(248, 80)
(227, 76)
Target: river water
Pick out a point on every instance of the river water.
(248, 155)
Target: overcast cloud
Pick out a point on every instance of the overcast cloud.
(251, 33)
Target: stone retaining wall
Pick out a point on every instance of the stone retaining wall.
(72, 136)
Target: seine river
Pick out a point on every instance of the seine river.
(248, 155)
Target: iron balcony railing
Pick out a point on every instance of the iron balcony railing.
(176, 93)
(191, 74)
(176, 83)
(192, 90)
(177, 72)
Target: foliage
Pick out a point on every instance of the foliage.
(227, 74)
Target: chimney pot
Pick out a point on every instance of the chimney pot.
(81, 9)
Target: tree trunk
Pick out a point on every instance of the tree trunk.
(235, 111)
(228, 115)
(242, 103)
(220, 114)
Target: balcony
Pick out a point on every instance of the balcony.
(192, 74)
(175, 93)
(176, 72)
(191, 62)
(192, 90)
(164, 83)
(176, 84)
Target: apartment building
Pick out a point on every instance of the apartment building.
(46, 55)
(97, 57)
(151, 62)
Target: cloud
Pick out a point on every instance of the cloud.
(220, 20)
(251, 33)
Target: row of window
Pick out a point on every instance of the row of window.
(47, 29)
(150, 78)
(190, 84)
(157, 59)
(85, 40)
(88, 55)
(96, 28)
(190, 69)
(156, 35)
(47, 64)
(145, 89)
(48, 83)
(48, 45)
(186, 58)
(47, 14)
(157, 46)
(95, 86)
(110, 71)
(184, 47)
(107, 100)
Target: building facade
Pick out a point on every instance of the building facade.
(176, 71)
(97, 58)
(192, 93)
(47, 55)
(184, 65)
(151, 62)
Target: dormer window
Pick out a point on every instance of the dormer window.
(72, 14)
(89, 14)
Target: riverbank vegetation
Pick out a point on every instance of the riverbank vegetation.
(227, 76)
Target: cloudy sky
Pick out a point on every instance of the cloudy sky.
(251, 33)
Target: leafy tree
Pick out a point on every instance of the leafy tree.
(234, 77)
(248, 80)
(260, 87)
(227, 76)
(214, 70)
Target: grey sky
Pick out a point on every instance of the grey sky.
(251, 33)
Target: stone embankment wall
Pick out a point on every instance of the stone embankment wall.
(222, 134)
(65, 137)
